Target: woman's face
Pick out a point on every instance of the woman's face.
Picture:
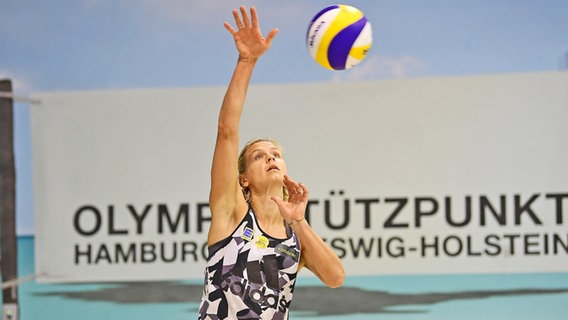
(264, 164)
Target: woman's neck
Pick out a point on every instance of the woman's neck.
(266, 210)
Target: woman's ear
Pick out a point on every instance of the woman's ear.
(243, 181)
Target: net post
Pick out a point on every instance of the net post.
(8, 245)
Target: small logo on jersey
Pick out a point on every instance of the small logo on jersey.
(289, 252)
(248, 234)
(262, 242)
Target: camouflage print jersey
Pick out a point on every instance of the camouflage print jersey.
(250, 275)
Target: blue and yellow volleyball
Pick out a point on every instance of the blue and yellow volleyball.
(339, 37)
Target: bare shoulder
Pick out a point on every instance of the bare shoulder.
(225, 218)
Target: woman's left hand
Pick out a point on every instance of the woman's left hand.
(295, 207)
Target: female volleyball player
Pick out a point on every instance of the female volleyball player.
(258, 239)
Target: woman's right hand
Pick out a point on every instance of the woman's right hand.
(248, 38)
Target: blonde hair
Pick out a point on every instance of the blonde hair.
(242, 164)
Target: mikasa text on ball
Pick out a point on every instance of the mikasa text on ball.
(339, 37)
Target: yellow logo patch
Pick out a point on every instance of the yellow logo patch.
(262, 242)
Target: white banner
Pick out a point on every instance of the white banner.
(446, 175)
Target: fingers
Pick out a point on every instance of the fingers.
(295, 188)
(229, 28)
(292, 186)
(271, 35)
(305, 189)
(243, 21)
(246, 20)
(254, 17)
(238, 21)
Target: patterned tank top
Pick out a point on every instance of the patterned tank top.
(250, 275)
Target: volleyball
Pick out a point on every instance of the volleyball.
(339, 37)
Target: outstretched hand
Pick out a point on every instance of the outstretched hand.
(248, 37)
(294, 208)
